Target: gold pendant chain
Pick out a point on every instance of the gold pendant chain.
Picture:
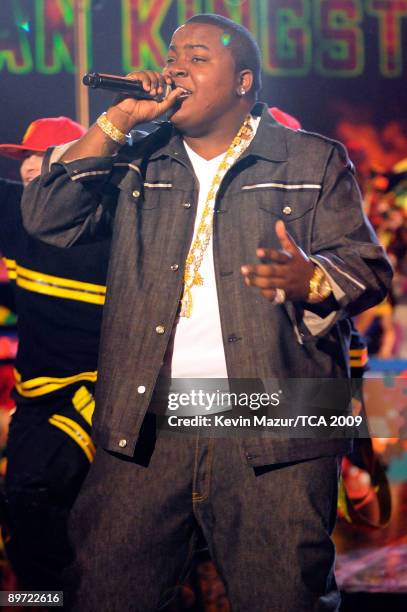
(192, 276)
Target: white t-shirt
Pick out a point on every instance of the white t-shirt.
(195, 349)
(197, 341)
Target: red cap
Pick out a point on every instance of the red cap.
(44, 133)
(284, 118)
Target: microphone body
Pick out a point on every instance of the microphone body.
(133, 88)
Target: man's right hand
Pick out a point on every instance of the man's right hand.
(125, 114)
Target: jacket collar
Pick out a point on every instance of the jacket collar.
(269, 141)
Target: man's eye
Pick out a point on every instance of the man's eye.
(170, 60)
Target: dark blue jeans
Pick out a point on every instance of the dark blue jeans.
(136, 521)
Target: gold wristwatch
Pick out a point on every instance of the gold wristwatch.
(319, 286)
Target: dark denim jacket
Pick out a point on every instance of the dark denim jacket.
(148, 194)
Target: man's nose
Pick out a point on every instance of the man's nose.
(180, 72)
(176, 71)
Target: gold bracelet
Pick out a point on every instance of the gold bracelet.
(110, 130)
(319, 287)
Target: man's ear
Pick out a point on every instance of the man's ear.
(245, 82)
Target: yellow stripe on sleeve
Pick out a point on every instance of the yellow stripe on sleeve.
(76, 432)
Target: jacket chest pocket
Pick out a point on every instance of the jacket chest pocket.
(292, 204)
(155, 195)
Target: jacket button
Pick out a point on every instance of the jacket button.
(287, 210)
(122, 443)
(141, 389)
(174, 267)
(250, 456)
(233, 338)
(160, 329)
(136, 194)
(187, 205)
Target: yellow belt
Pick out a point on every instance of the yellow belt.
(35, 387)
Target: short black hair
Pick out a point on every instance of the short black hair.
(242, 45)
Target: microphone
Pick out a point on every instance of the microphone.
(133, 88)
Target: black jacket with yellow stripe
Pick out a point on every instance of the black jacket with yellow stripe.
(59, 298)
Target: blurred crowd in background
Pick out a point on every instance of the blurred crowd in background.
(380, 157)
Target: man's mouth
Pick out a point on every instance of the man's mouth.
(185, 94)
(180, 99)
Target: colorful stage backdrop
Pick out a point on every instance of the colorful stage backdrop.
(323, 59)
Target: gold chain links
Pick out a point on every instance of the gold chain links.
(111, 130)
(193, 262)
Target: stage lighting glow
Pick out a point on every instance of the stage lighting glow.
(25, 25)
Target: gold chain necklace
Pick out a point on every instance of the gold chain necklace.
(193, 262)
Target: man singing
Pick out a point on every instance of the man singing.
(239, 251)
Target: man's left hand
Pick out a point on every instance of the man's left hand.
(287, 268)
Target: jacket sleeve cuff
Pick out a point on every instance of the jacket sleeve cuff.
(319, 318)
